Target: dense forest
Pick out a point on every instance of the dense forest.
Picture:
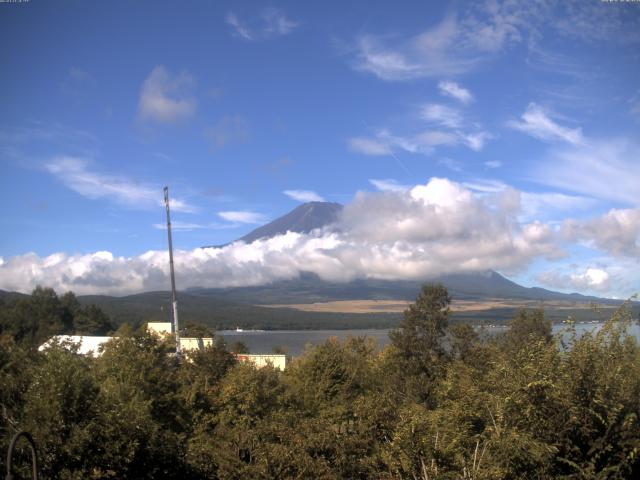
(437, 403)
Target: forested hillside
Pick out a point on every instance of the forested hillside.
(437, 403)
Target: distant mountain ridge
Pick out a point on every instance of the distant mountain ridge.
(310, 288)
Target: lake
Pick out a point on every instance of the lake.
(294, 341)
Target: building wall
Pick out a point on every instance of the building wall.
(87, 345)
(277, 361)
(91, 345)
(187, 344)
(159, 328)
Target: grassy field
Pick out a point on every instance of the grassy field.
(398, 306)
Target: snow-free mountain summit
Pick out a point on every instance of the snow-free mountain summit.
(302, 219)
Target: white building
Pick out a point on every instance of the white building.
(89, 345)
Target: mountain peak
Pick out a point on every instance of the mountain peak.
(302, 219)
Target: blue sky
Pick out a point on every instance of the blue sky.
(526, 114)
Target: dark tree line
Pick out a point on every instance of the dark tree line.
(438, 403)
(35, 318)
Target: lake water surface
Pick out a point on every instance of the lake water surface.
(294, 341)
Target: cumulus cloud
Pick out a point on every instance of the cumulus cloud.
(77, 174)
(538, 123)
(271, 22)
(616, 232)
(594, 279)
(166, 98)
(453, 90)
(304, 195)
(432, 229)
(243, 217)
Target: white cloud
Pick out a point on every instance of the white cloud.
(25, 143)
(187, 226)
(427, 140)
(166, 98)
(77, 175)
(229, 129)
(424, 142)
(446, 127)
(271, 22)
(369, 146)
(548, 204)
(493, 163)
(433, 53)
(277, 23)
(537, 122)
(454, 46)
(442, 115)
(385, 143)
(605, 169)
(617, 232)
(486, 186)
(388, 185)
(483, 30)
(475, 141)
(432, 229)
(183, 226)
(592, 279)
(532, 205)
(304, 195)
(595, 22)
(239, 29)
(452, 89)
(242, 216)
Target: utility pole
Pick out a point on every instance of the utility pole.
(174, 301)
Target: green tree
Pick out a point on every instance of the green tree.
(91, 320)
(528, 326)
(143, 420)
(418, 355)
(35, 318)
(59, 407)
